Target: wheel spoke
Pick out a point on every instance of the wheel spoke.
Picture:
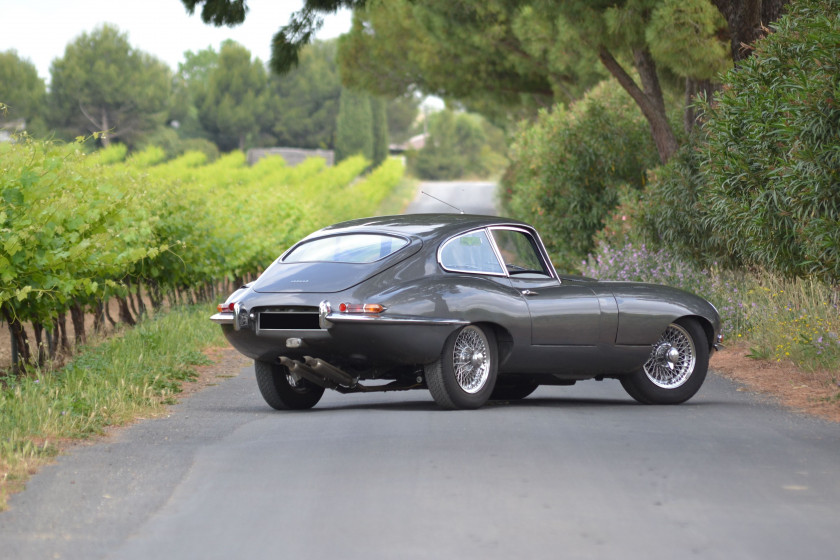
(672, 358)
(470, 360)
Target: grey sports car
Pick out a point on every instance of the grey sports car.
(466, 306)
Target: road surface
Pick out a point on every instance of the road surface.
(570, 472)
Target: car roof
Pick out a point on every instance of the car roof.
(424, 226)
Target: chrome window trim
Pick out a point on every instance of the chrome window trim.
(534, 236)
(486, 231)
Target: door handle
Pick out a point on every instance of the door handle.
(528, 293)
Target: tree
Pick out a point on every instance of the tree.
(459, 144)
(305, 100)
(354, 128)
(288, 42)
(570, 164)
(479, 54)
(379, 128)
(494, 52)
(236, 100)
(22, 91)
(504, 55)
(402, 116)
(748, 21)
(103, 84)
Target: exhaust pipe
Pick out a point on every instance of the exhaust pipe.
(330, 372)
(302, 370)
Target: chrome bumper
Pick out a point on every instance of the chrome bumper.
(222, 318)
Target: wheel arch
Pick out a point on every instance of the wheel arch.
(705, 324)
(504, 338)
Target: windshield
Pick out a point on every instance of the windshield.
(348, 248)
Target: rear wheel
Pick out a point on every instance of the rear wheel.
(282, 391)
(675, 369)
(465, 374)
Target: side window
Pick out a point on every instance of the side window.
(471, 252)
(519, 251)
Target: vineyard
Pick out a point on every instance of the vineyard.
(79, 230)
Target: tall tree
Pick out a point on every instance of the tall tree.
(103, 84)
(237, 97)
(379, 129)
(506, 54)
(305, 100)
(191, 84)
(747, 21)
(22, 91)
(505, 48)
(489, 56)
(354, 129)
(402, 116)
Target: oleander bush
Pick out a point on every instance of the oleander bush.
(772, 154)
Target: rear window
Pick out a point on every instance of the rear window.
(349, 248)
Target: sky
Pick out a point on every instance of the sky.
(39, 30)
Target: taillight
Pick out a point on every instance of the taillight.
(361, 308)
(225, 307)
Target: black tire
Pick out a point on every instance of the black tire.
(513, 388)
(465, 374)
(676, 367)
(276, 388)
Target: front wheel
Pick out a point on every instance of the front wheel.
(675, 369)
(465, 374)
(282, 391)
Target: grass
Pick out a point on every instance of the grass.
(131, 375)
(400, 197)
(779, 319)
(111, 383)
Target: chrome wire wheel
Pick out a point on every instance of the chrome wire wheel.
(471, 359)
(672, 359)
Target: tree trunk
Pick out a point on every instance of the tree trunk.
(649, 100)
(693, 90)
(77, 316)
(747, 20)
(61, 328)
(107, 314)
(155, 295)
(38, 331)
(125, 312)
(21, 353)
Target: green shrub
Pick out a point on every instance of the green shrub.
(674, 210)
(774, 148)
(568, 165)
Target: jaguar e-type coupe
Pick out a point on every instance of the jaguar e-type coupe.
(469, 307)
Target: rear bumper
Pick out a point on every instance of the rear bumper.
(222, 318)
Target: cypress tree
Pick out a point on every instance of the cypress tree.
(354, 126)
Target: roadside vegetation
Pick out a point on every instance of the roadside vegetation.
(687, 142)
(747, 212)
(113, 382)
(149, 234)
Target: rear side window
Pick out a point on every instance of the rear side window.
(471, 252)
(348, 248)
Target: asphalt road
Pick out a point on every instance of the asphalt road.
(570, 472)
(469, 197)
